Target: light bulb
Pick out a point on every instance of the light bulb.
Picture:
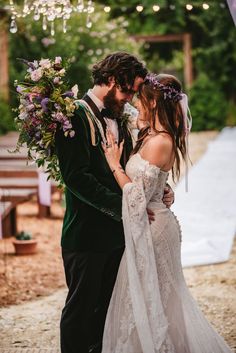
(205, 6)
(156, 8)
(107, 9)
(189, 7)
(139, 8)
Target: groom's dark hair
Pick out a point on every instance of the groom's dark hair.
(122, 66)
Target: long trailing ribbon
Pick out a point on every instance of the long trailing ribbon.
(92, 120)
(187, 127)
(232, 8)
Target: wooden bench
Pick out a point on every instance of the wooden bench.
(17, 196)
(17, 174)
(9, 219)
(17, 169)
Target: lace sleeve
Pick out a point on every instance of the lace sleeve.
(141, 189)
(148, 312)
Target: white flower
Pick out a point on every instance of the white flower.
(36, 74)
(36, 64)
(75, 90)
(45, 63)
(30, 107)
(62, 72)
(23, 115)
(58, 60)
(56, 80)
(133, 115)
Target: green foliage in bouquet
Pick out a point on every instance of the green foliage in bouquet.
(46, 103)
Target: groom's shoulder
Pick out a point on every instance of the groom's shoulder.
(80, 113)
(79, 108)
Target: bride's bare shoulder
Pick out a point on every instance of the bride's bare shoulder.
(158, 149)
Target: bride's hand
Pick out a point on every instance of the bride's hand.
(112, 151)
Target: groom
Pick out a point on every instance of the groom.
(92, 235)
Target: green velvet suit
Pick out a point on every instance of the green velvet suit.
(92, 219)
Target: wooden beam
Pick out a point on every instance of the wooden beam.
(156, 38)
(188, 64)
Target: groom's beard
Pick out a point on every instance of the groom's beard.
(115, 107)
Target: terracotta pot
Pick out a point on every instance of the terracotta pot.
(25, 247)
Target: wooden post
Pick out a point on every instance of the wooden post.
(4, 69)
(188, 64)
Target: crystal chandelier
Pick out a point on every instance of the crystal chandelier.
(50, 10)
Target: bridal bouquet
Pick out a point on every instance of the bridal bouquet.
(46, 103)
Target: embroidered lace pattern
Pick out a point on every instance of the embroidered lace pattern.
(152, 310)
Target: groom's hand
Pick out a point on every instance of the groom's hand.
(169, 196)
(151, 215)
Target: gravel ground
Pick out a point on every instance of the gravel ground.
(36, 283)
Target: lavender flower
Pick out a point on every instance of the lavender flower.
(68, 94)
(168, 91)
(44, 104)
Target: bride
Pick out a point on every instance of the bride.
(152, 310)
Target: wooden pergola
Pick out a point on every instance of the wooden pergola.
(186, 39)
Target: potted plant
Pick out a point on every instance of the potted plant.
(24, 244)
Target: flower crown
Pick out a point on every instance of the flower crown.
(168, 91)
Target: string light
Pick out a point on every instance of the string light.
(139, 8)
(172, 7)
(205, 6)
(189, 7)
(156, 8)
(107, 9)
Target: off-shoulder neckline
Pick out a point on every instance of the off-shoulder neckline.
(151, 165)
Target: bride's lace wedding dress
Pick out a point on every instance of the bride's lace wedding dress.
(152, 310)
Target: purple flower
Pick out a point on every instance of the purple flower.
(68, 94)
(38, 136)
(19, 89)
(28, 63)
(38, 98)
(67, 125)
(44, 104)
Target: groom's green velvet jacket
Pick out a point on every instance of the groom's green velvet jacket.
(92, 220)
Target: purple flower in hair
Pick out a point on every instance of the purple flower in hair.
(168, 91)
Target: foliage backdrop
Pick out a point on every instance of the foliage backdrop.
(213, 97)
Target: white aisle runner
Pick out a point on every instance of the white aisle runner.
(207, 213)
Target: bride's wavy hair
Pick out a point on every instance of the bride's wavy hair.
(165, 90)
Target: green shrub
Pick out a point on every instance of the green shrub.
(208, 105)
(6, 117)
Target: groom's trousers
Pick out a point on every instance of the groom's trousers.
(90, 277)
